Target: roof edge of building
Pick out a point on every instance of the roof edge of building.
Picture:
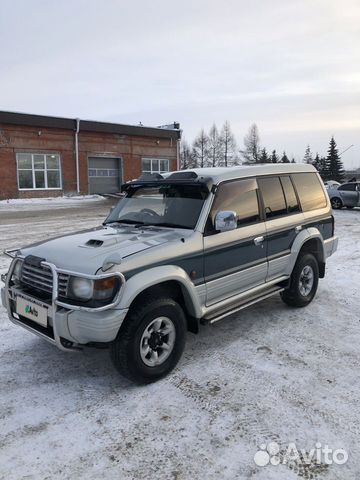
(46, 121)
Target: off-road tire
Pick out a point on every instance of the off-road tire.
(125, 349)
(292, 296)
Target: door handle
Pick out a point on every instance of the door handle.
(258, 240)
(298, 228)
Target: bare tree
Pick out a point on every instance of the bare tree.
(228, 146)
(200, 149)
(251, 152)
(214, 146)
(186, 159)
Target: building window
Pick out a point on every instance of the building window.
(155, 165)
(38, 171)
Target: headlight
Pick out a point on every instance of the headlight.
(81, 288)
(17, 270)
(101, 290)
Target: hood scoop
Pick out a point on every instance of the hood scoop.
(93, 243)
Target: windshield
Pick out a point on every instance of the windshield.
(166, 205)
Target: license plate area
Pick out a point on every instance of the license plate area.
(32, 310)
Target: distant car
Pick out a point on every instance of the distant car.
(332, 184)
(346, 195)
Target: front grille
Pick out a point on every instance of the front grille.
(63, 281)
(40, 278)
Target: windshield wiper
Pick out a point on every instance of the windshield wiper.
(127, 221)
(169, 224)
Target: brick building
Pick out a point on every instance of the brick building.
(43, 156)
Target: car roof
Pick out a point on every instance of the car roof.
(220, 174)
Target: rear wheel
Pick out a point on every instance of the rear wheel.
(303, 283)
(150, 341)
(336, 203)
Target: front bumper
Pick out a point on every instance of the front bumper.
(68, 326)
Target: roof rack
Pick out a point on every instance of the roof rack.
(177, 178)
(183, 175)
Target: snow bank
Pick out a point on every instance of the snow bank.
(53, 200)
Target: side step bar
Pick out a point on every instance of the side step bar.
(246, 302)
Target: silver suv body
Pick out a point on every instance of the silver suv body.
(175, 252)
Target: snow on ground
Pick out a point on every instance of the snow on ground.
(267, 373)
(53, 202)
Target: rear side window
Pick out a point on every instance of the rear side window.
(350, 187)
(273, 196)
(290, 195)
(310, 192)
(239, 196)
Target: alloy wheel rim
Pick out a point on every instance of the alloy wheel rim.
(157, 341)
(306, 280)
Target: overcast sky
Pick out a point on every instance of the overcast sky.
(293, 67)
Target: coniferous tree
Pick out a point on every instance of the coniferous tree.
(274, 157)
(284, 158)
(293, 160)
(334, 169)
(318, 163)
(308, 158)
(264, 157)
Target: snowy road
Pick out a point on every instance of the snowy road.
(269, 373)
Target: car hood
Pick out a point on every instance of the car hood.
(86, 251)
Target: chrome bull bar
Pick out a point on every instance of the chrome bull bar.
(10, 293)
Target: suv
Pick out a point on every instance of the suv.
(346, 195)
(175, 253)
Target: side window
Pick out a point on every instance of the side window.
(310, 192)
(273, 196)
(290, 195)
(239, 196)
(349, 187)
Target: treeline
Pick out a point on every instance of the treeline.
(218, 148)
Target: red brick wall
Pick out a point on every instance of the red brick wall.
(15, 139)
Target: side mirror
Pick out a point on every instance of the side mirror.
(225, 220)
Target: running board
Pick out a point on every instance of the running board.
(216, 316)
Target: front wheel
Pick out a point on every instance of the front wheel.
(303, 283)
(336, 203)
(150, 341)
